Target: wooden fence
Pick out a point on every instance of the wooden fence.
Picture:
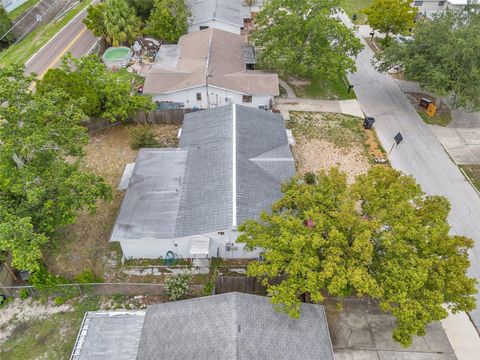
(171, 116)
(7, 278)
(249, 285)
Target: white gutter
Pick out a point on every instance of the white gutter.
(234, 168)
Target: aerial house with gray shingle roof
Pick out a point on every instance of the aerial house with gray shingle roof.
(227, 15)
(209, 69)
(230, 326)
(229, 166)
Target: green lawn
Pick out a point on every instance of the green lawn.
(441, 118)
(22, 8)
(473, 173)
(318, 88)
(22, 51)
(353, 7)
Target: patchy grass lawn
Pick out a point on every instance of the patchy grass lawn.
(473, 173)
(318, 88)
(28, 46)
(22, 8)
(354, 7)
(85, 245)
(51, 333)
(325, 140)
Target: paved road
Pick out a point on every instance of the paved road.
(420, 154)
(74, 37)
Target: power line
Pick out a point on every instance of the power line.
(18, 22)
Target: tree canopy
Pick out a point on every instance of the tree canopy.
(304, 37)
(115, 20)
(100, 92)
(391, 16)
(380, 237)
(168, 20)
(41, 184)
(442, 57)
(143, 8)
(5, 25)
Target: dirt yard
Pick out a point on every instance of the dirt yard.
(325, 140)
(84, 245)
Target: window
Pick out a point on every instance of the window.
(199, 96)
(247, 98)
(418, 3)
(441, 3)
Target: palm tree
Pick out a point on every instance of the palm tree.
(121, 23)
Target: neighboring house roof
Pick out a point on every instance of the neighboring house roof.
(233, 326)
(215, 52)
(225, 327)
(229, 167)
(230, 11)
(109, 335)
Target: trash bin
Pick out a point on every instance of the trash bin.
(368, 122)
(354, 17)
(424, 103)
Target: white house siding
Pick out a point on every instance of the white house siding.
(429, 6)
(11, 5)
(156, 248)
(218, 97)
(215, 24)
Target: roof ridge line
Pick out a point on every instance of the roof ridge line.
(234, 167)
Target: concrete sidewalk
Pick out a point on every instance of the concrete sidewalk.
(349, 107)
(463, 145)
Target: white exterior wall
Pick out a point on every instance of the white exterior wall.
(156, 248)
(11, 5)
(215, 24)
(430, 6)
(218, 97)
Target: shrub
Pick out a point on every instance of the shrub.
(386, 42)
(310, 178)
(177, 286)
(87, 277)
(208, 288)
(23, 294)
(143, 137)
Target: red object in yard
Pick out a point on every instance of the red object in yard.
(309, 224)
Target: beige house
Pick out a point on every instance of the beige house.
(209, 69)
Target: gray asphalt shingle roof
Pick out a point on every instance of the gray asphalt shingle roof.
(192, 190)
(230, 11)
(233, 326)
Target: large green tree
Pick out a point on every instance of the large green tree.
(391, 16)
(5, 25)
(143, 8)
(100, 92)
(168, 20)
(442, 57)
(41, 184)
(115, 21)
(380, 237)
(304, 37)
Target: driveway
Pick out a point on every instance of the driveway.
(420, 154)
(349, 107)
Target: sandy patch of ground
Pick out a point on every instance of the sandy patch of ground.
(85, 244)
(23, 311)
(325, 140)
(315, 155)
